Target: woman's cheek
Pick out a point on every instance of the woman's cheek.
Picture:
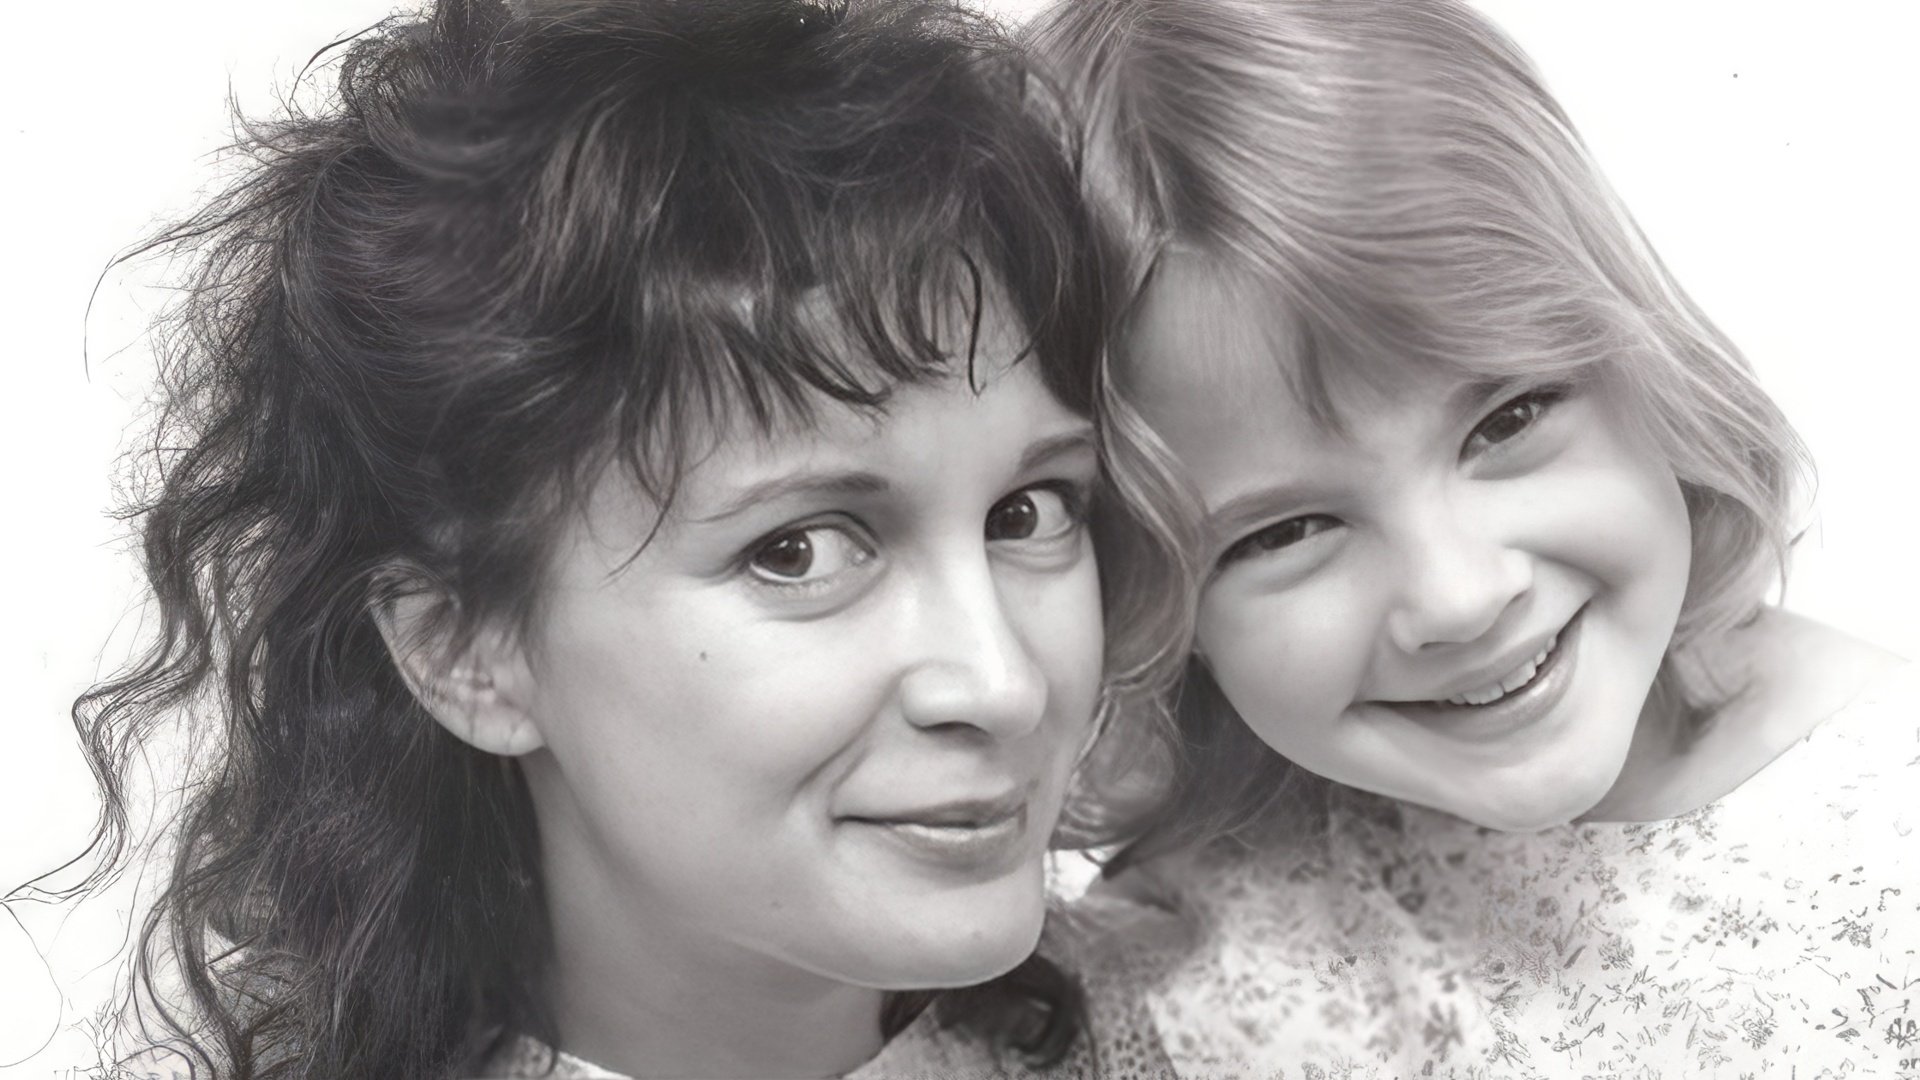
(1057, 617)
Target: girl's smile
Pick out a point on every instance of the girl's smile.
(1502, 708)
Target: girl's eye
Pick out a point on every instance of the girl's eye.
(1279, 535)
(1036, 513)
(1511, 420)
(814, 553)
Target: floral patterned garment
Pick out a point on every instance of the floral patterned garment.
(1121, 1046)
(922, 1052)
(1774, 933)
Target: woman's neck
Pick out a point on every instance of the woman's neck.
(1768, 684)
(646, 1018)
(649, 996)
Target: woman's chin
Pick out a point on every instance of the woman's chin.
(956, 946)
(956, 968)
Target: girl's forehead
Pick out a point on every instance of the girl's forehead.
(1199, 328)
(1207, 336)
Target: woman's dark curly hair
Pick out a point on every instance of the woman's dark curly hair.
(519, 244)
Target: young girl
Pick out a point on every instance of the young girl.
(619, 511)
(1518, 773)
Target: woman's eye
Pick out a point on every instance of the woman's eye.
(1036, 513)
(1279, 535)
(805, 555)
(1511, 420)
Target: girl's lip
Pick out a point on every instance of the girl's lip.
(1491, 675)
(1514, 712)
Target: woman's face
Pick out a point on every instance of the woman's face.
(1460, 601)
(825, 717)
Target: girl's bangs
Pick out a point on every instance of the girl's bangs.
(1366, 334)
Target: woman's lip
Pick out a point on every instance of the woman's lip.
(1514, 712)
(959, 813)
(979, 837)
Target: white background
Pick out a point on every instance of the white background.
(1764, 146)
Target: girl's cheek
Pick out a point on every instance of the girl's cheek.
(1612, 514)
(1291, 661)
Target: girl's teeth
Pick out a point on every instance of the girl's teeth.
(1478, 697)
(1521, 676)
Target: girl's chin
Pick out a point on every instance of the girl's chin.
(1512, 821)
(1547, 802)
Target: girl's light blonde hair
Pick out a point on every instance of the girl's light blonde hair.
(1400, 179)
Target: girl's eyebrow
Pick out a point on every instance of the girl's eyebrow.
(801, 482)
(1473, 395)
(1236, 513)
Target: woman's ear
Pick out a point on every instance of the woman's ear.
(478, 687)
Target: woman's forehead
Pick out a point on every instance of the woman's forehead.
(714, 447)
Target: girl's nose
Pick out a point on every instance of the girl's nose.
(1457, 580)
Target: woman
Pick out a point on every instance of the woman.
(620, 515)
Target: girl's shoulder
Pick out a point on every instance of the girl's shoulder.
(1782, 687)
(1298, 952)
(1781, 923)
(1789, 680)
(1856, 769)
(1121, 949)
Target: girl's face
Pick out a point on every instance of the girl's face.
(1460, 602)
(824, 720)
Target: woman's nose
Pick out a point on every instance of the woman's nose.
(971, 665)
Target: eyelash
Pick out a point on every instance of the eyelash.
(1252, 544)
(851, 534)
(1074, 500)
(1539, 402)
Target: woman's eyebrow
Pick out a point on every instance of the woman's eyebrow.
(1053, 447)
(863, 482)
(799, 482)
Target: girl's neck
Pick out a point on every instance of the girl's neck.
(1768, 683)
